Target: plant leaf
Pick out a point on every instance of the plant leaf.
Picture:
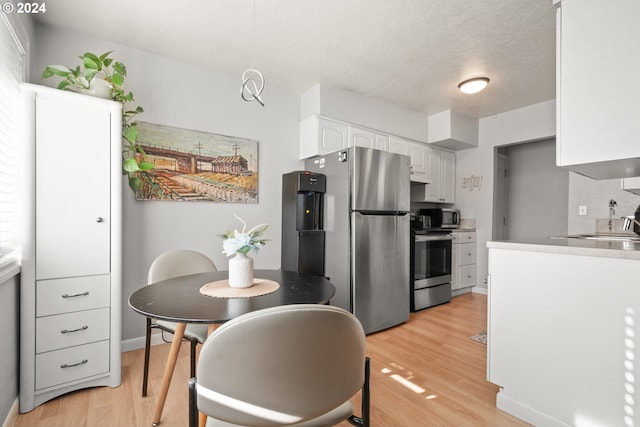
(104, 56)
(130, 165)
(135, 183)
(91, 61)
(89, 75)
(117, 79)
(130, 133)
(119, 67)
(244, 224)
(55, 70)
(258, 229)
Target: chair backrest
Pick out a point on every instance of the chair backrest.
(179, 262)
(281, 365)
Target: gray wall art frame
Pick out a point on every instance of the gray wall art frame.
(192, 165)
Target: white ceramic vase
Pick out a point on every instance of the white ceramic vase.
(99, 88)
(241, 271)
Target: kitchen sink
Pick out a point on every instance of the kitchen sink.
(604, 236)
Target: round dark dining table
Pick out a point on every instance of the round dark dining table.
(179, 300)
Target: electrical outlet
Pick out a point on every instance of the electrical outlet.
(582, 210)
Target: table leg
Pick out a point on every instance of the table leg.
(168, 372)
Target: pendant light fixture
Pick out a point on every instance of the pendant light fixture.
(252, 79)
(474, 85)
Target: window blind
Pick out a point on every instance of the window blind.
(11, 74)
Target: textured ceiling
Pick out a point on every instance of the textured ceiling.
(409, 53)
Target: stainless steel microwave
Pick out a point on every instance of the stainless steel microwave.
(442, 217)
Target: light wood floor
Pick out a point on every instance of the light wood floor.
(432, 351)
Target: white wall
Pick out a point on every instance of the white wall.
(178, 94)
(531, 123)
(537, 198)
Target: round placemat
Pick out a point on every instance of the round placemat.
(221, 289)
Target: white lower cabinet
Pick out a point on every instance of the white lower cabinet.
(463, 260)
(71, 273)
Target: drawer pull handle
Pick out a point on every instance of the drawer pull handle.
(63, 366)
(85, 293)
(66, 331)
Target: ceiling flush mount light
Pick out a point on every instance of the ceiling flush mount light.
(474, 85)
(252, 80)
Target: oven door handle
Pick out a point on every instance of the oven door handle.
(427, 238)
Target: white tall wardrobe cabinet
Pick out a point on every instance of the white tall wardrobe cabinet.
(70, 299)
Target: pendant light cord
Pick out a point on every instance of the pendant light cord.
(252, 79)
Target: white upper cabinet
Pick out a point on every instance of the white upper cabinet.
(361, 137)
(320, 136)
(418, 153)
(398, 145)
(598, 114)
(441, 175)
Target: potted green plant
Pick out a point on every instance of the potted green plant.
(92, 77)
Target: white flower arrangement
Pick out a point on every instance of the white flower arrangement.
(241, 241)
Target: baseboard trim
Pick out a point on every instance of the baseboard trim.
(138, 343)
(526, 412)
(479, 290)
(12, 416)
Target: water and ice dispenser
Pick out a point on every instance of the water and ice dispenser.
(302, 222)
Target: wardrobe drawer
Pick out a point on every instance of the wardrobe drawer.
(71, 329)
(59, 296)
(70, 364)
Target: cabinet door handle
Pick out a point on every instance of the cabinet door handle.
(66, 331)
(99, 219)
(63, 366)
(85, 293)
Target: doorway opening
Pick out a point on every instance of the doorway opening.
(531, 193)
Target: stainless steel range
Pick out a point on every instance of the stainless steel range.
(430, 267)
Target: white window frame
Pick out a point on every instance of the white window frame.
(9, 247)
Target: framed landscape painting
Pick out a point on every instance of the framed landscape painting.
(198, 166)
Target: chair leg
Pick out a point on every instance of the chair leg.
(193, 406)
(194, 343)
(363, 421)
(147, 349)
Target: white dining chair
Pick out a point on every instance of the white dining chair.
(175, 263)
(296, 365)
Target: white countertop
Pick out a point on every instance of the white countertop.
(586, 247)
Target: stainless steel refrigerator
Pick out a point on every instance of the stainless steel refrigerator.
(367, 237)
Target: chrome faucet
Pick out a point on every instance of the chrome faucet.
(612, 212)
(627, 220)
